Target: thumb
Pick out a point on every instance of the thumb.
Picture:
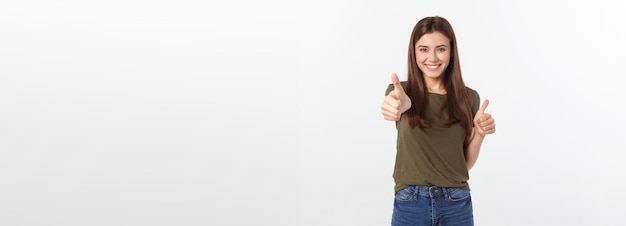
(484, 106)
(397, 88)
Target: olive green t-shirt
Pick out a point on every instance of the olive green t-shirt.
(432, 156)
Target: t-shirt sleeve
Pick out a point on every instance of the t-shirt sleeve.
(389, 89)
(474, 101)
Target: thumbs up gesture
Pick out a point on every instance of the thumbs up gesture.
(483, 122)
(396, 102)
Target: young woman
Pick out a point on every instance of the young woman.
(440, 130)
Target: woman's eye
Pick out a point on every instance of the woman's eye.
(423, 50)
(441, 49)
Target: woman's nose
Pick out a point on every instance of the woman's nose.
(433, 56)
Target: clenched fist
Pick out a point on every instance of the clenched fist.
(483, 122)
(396, 102)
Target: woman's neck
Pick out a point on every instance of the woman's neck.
(435, 86)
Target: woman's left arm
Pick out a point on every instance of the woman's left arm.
(483, 124)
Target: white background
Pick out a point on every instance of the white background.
(267, 112)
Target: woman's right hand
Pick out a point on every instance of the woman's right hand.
(396, 102)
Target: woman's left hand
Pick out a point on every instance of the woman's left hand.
(483, 122)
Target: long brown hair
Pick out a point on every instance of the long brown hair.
(457, 103)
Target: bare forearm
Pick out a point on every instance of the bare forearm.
(473, 149)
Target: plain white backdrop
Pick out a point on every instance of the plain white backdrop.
(267, 113)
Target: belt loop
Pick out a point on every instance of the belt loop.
(417, 190)
(414, 192)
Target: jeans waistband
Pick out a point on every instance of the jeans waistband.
(432, 190)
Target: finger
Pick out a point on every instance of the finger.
(489, 131)
(485, 119)
(390, 116)
(397, 88)
(485, 104)
(489, 121)
(488, 127)
(391, 102)
(486, 124)
(389, 109)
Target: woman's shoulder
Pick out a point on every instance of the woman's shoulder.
(404, 84)
(471, 92)
(474, 97)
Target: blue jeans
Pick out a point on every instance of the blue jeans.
(420, 206)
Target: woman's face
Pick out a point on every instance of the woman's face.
(432, 53)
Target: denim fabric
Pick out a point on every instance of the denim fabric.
(432, 206)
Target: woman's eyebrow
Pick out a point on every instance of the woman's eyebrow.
(423, 46)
